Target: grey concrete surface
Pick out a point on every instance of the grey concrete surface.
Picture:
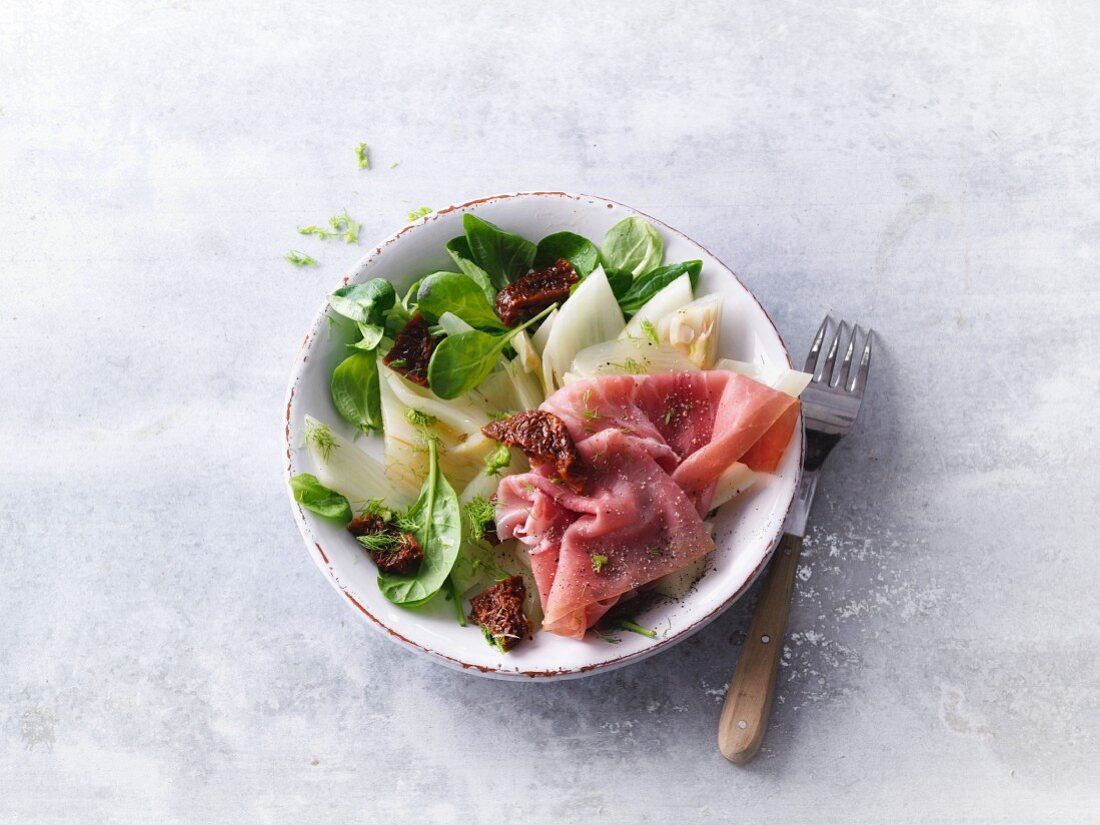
(169, 653)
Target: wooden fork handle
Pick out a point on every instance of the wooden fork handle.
(749, 699)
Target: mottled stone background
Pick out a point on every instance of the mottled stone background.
(170, 654)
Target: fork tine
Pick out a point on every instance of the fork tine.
(859, 382)
(842, 379)
(830, 359)
(815, 348)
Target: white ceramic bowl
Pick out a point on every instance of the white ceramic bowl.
(746, 530)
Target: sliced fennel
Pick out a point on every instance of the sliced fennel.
(542, 334)
(456, 427)
(694, 329)
(343, 467)
(526, 353)
(406, 460)
(590, 316)
(497, 393)
(733, 481)
(677, 585)
(508, 389)
(527, 388)
(461, 414)
(665, 302)
(784, 379)
(635, 356)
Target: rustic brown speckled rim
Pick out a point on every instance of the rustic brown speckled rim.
(318, 555)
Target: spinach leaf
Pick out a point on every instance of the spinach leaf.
(371, 336)
(459, 250)
(620, 281)
(632, 244)
(461, 362)
(503, 256)
(456, 293)
(396, 319)
(438, 519)
(356, 393)
(315, 496)
(409, 301)
(646, 286)
(580, 252)
(363, 303)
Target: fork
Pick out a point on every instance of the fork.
(830, 404)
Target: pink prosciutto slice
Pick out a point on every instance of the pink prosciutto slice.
(653, 447)
(632, 525)
(694, 424)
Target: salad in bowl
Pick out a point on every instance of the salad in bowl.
(541, 434)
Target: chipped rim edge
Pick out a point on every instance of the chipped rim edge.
(315, 551)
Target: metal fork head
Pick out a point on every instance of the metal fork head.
(831, 402)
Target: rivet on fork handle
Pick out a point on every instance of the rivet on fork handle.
(748, 704)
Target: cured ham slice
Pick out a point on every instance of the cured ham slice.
(632, 525)
(653, 448)
(695, 424)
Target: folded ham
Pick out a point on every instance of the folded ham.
(695, 424)
(632, 525)
(653, 447)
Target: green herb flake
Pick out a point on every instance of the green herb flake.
(339, 226)
(500, 416)
(300, 258)
(633, 367)
(377, 507)
(320, 436)
(611, 640)
(648, 632)
(383, 542)
(493, 640)
(344, 224)
(420, 418)
(323, 234)
(651, 333)
(480, 512)
(591, 415)
(497, 460)
(598, 562)
(417, 214)
(669, 413)
(362, 157)
(395, 164)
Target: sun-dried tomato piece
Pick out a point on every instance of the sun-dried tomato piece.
(544, 440)
(498, 610)
(394, 551)
(534, 292)
(412, 350)
(366, 525)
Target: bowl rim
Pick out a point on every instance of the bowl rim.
(317, 553)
